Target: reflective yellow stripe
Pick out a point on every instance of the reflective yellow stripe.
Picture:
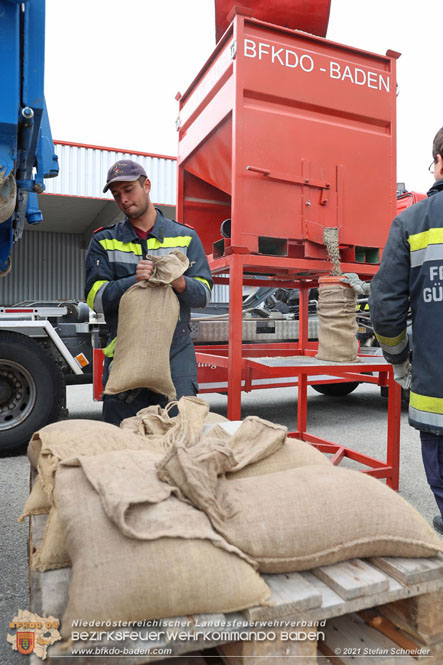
(93, 292)
(422, 240)
(425, 403)
(205, 282)
(108, 351)
(176, 241)
(391, 341)
(130, 247)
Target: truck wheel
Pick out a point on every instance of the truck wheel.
(31, 390)
(336, 389)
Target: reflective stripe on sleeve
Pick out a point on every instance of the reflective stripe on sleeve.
(393, 345)
(207, 287)
(109, 350)
(95, 294)
(205, 282)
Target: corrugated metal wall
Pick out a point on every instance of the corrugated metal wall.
(51, 266)
(45, 266)
(220, 293)
(83, 173)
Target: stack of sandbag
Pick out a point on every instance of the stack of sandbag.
(170, 516)
(47, 448)
(112, 517)
(146, 555)
(297, 518)
(60, 441)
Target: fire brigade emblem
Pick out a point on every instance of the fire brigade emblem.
(34, 633)
(25, 642)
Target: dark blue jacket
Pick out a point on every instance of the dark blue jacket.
(112, 259)
(411, 275)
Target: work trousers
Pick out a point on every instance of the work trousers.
(184, 377)
(432, 453)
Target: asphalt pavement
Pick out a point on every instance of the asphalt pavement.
(357, 420)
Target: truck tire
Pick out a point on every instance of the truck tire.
(336, 389)
(31, 390)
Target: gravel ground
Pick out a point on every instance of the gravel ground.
(358, 420)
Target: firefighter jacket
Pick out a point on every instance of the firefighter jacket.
(411, 275)
(112, 259)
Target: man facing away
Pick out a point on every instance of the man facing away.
(411, 275)
(117, 259)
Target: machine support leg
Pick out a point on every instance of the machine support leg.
(303, 318)
(302, 406)
(235, 337)
(393, 447)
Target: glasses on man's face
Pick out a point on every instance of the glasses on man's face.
(431, 166)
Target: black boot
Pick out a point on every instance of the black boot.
(438, 524)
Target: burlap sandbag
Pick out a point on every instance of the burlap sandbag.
(213, 419)
(156, 423)
(193, 472)
(52, 552)
(140, 505)
(292, 455)
(122, 579)
(37, 502)
(67, 438)
(63, 431)
(318, 515)
(147, 316)
(47, 448)
(337, 328)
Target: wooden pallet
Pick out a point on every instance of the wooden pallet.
(405, 597)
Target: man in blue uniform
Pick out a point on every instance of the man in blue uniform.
(117, 259)
(411, 275)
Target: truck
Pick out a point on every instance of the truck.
(35, 362)
(46, 346)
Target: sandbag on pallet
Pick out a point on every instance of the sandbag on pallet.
(194, 471)
(155, 421)
(140, 505)
(94, 433)
(115, 578)
(318, 515)
(47, 448)
(292, 455)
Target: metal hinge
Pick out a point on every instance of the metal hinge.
(233, 49)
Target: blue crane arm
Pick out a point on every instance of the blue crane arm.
(26, 148)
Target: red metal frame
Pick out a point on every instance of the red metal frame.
(287, 134)
(98, 358)
(241, 369)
